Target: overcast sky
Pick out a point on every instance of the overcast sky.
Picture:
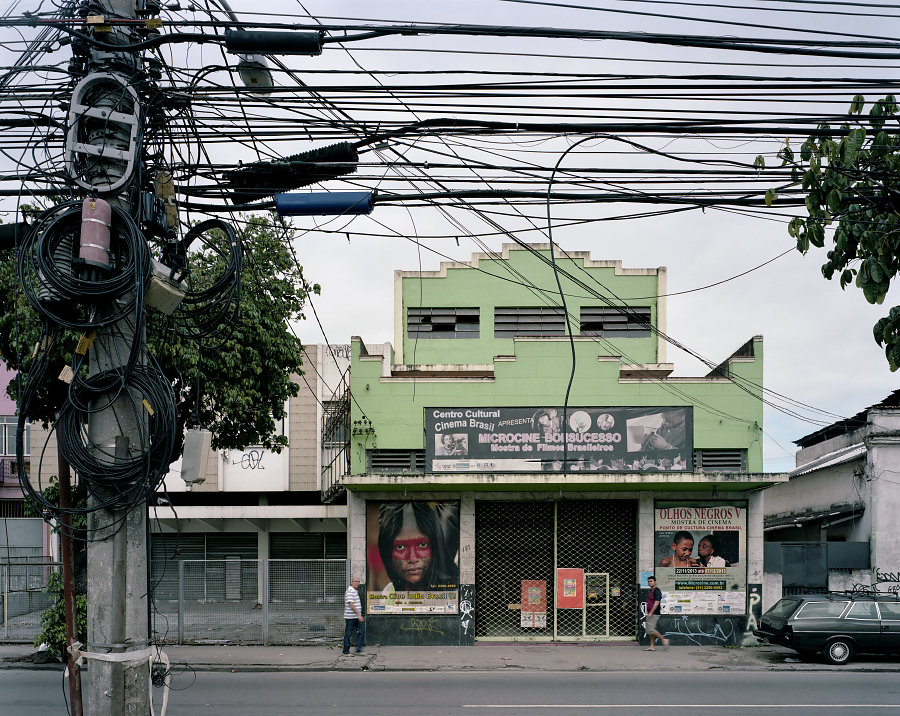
(818, 339)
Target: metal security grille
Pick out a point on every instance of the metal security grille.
(275, 601)
(518, 541)
(513, 542)
(305, 600)
(599, 536)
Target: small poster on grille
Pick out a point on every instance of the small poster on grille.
(529, 439)
(701, 557)
(534, 604)
(569, 588)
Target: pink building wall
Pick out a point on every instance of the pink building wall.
(7, 405)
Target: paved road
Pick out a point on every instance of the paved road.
(39, 693)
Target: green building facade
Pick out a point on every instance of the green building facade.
(510, 482)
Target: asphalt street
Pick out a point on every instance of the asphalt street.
(688, 693)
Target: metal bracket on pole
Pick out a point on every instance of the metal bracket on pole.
(112, 104)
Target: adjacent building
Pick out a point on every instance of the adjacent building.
(22, 539)
(832, 526)
(521, 461)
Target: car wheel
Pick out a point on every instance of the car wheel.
(838, 651)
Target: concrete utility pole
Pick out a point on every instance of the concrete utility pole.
(117, 553)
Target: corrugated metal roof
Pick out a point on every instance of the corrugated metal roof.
(836, 457)
(842, 427)
(833, 515)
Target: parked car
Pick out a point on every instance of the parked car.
(838, 625)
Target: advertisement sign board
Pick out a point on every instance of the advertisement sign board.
(412, 550)
(701, 557)
(527, 439)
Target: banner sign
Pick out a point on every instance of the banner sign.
(532, 439)
(700, 557)
(412, 552)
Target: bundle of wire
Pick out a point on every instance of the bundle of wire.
(120, 482)
(206, 312)
(75, 301)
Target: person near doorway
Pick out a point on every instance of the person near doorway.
(353, 618)
(654, 600)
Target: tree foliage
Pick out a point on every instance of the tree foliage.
(851, 179)
(242, 377)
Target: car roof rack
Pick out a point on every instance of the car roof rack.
(869, 592)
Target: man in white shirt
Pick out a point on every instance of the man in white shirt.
(353, 618)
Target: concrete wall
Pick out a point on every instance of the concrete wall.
(7, 404)
(538, 375)
(821, 490)
(771, 590)
(458, 285)
(883, 477)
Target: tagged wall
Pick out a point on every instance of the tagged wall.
(427, 629)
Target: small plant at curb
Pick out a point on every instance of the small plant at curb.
(53, 619)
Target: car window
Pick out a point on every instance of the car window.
(890, 610)
(863, 610)
(782, 608)
(818, 610)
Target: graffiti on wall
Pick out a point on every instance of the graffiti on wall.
(699, 630)
(754, 612)
(891, 579)
(466, 608)
(250, 460)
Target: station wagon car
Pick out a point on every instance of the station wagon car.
(835, 625)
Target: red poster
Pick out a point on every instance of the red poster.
(534, 603)
(569, 588)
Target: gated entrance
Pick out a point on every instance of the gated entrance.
(520, 545)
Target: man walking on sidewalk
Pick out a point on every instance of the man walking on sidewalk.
(653, 607)
(353, 618)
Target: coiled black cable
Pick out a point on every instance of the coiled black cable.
(117, 481)
(205, 313)
(81, 302)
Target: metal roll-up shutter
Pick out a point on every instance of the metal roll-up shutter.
(165, 552)
(336, 545)
(296, 545)
(231, 567)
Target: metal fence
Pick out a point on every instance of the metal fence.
(23, 598)
(270, 601)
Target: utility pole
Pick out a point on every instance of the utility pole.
(117, 589)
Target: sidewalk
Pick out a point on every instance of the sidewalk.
(487, 657)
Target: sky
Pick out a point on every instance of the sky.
(741, 277)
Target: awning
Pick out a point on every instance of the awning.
(838, 513)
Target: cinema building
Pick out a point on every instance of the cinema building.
(519, 465)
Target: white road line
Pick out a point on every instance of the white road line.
(855, 706)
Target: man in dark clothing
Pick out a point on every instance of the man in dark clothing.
(653, 607)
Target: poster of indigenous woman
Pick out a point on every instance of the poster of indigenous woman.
(412, 550)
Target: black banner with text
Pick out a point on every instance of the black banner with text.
(655, 439)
